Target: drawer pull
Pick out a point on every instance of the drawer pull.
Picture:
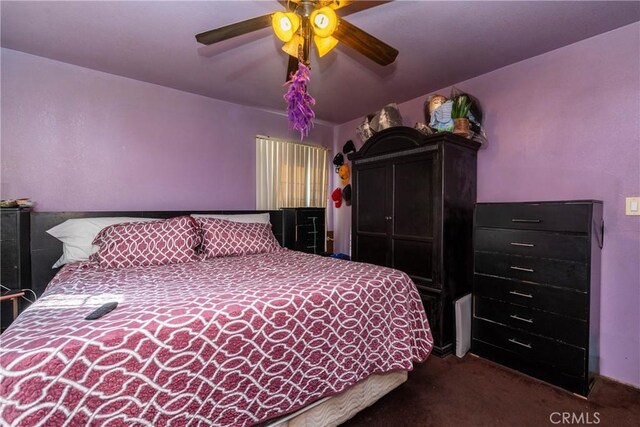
(514, 316)
(530, 270)
(528, 245)
(520, 294)
(519, 343)
(530, 221)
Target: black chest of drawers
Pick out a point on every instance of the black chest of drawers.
(15, 269)
(536, 289)
(304, 229)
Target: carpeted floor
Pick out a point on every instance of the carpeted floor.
(475, 392)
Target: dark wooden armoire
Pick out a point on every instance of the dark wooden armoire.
(412, 209)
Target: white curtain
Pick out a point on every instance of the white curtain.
(290, 174)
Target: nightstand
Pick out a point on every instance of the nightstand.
(15, 264)
(305, 229)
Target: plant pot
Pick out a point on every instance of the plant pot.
(461, 127)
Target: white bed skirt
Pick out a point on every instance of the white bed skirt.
(337, 409)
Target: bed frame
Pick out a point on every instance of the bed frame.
(45, 249)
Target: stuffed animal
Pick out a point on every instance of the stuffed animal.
(336, 196)
(349, 147)
(338, 160)
(440, 112)
(344, 174)
(346, 195)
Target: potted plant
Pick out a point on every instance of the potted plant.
(459, 113)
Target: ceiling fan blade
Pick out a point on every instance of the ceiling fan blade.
(292, 67)
(289, 4)
(234, 30)
(371, 47)
(338, 4)
(355, 6)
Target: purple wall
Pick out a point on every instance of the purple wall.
(565, 125)
(79, 139)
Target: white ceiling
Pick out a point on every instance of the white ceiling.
(440, 43)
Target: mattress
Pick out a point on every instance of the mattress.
(228, 341)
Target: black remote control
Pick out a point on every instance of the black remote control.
(101, 311)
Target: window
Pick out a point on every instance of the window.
(290, 174)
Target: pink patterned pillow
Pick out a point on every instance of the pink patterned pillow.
(137, 244)
(226, 238)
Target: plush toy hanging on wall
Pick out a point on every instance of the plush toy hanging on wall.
(349, 147)
(346, 195)
(338, 160)
(344, 173)
(336, 196)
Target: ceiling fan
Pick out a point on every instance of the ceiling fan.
(304, 21)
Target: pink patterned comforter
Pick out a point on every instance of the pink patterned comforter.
(228, 341)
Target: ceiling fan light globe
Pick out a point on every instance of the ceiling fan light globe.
(324, 21)
(324, 44)
(285, 25)
(292, 46)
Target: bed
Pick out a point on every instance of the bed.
(274, 338)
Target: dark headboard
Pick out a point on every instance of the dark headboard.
(45, 249)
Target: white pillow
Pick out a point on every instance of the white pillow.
(77, 235)
(261, 218)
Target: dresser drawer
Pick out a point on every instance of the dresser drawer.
(308, 231)
(567, 217)
(565, 329)
(572, 382)
(531, 348)
(311, 216)
(533, 243)
(540, 297)
(568, 274)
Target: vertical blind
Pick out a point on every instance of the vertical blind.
(290, 174)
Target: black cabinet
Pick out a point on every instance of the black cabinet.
(412, 209)
(536, 297)
(15, 265)
(304, 229)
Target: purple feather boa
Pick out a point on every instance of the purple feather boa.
(299, 102)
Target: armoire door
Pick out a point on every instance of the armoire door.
(371, 205)
(415, 204)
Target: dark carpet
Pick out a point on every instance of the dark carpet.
(475, 392)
